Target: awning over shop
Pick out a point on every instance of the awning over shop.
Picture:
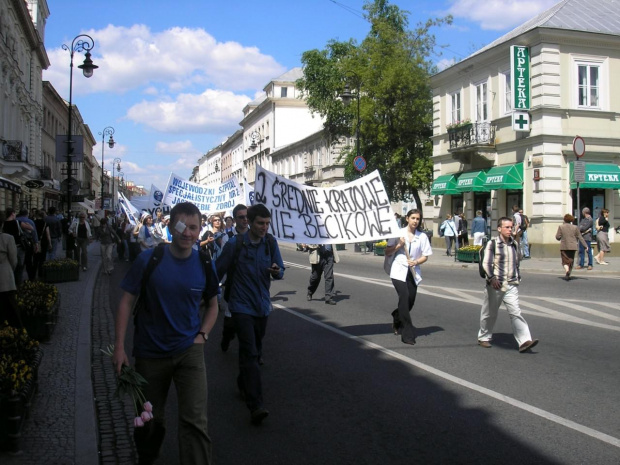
(444, 185)
(508, 177)
(10, 185)
(472, 181)
(598, 176)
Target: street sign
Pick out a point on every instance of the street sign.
(521, 121)
(359, 163)
(579, 147)
(33, 184)
(75, 186)
(579, 171)
(77, 144)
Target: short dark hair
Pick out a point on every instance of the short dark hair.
(51, 211)
(258, 210)
(9, 211)
(184, 208)
(23, 212)
(238, 208)
(501, 221)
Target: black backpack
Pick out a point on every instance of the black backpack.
(525, 221)
(153, 262)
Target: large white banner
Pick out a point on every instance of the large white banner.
(207, 199)
(130, 211)
(358, 211)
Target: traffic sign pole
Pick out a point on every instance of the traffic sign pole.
(579, 149)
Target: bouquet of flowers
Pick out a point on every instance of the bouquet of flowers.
(18, 351)
(130, 382)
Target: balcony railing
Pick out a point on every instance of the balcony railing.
(470, 135)
(14, 150)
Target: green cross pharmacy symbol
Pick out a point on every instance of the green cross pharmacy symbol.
(521, 121)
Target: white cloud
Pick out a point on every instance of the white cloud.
(445, 63)
(499, 14)
(213, 111)
(134, 57)
(185, 147)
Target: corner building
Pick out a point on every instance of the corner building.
(503, 135)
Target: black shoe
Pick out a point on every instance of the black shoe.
(411, 343)
(309, 297)
(258, 415)
(330, 302)
(396, 324)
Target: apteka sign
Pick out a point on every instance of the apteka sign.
(520, 77)
(358, 211)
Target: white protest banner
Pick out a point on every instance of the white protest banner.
(151, 202)
(207, 199)
(131, 212)
(358, 211)
(249, 193)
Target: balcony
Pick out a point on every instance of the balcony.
(470, 136)
(14, 155)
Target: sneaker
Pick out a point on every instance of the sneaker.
(485, 344)
(603, 263)
(579, 267)
(309, 297)
(258, 415)
(330, 302)
(589, 268)
(527, 345)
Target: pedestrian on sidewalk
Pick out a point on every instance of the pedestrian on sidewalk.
(478, 228)
(569, 236)
(169, 337)
(585, 228)
(80, 230)
(501, 266)
(55, 232)
(254, 262)
(8, 262)
(107, 239)
(322, 258)
(448, 228)
(602, 237)
(410, 250)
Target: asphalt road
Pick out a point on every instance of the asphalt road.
(341, 388)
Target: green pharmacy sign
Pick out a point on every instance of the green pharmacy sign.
(520, 77)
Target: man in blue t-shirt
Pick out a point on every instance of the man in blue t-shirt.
(169, 337)
(255, 263)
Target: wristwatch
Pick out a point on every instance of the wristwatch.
(204, 335)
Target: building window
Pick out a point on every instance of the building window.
(588, 85)
(455, 108)
(283, 91)
(507, 92)
(482, 108)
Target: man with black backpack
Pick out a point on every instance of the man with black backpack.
(250, 261)
(173, 284)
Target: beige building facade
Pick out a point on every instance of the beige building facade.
(485, 155)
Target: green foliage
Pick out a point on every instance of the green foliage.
(391, 70)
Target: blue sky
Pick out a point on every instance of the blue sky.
(174, 77)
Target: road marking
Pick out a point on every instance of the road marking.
(461, 382)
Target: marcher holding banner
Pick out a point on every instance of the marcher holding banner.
(411, 250)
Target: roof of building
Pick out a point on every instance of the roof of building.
(290, 76)
(596, 16)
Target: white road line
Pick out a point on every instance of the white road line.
(461, 382)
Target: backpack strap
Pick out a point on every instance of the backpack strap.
(156, 257)
(230, 273)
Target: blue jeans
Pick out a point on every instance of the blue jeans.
(51, 252)
(187, 371)
(582, 250)
(525, 245)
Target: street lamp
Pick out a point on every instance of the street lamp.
(255, 136)
(108, 131)
(80, 43)
(117, 162)
(346, 97)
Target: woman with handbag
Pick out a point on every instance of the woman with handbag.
(449, 233)
(569, 236)
(410, 250)
(602, 237)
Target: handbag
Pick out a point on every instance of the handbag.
(25, 241)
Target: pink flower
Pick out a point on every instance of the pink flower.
(137, 422)
(148, 406)
(146, 416)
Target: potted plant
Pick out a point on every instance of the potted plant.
(38, 305)
(19, 365)
(379, 248)
(470, 253)
(60, 270)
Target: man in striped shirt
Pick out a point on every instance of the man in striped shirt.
(501, 265)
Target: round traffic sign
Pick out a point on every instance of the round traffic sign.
(579, 146)
(359, 163)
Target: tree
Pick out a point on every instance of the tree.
(391, 70)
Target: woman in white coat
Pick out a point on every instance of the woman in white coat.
(410, 250)
(448, 227)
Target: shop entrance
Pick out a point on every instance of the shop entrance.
(482, 202)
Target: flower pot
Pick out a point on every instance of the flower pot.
(470, 257)
(41, 325)
(60, 275)
(379, 250)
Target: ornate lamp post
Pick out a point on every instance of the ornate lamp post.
(108, 131)
(80, 43)
(117, 162)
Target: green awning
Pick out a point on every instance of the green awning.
(444, 185)
(508, 177)
(472, 181)
(598, 176)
